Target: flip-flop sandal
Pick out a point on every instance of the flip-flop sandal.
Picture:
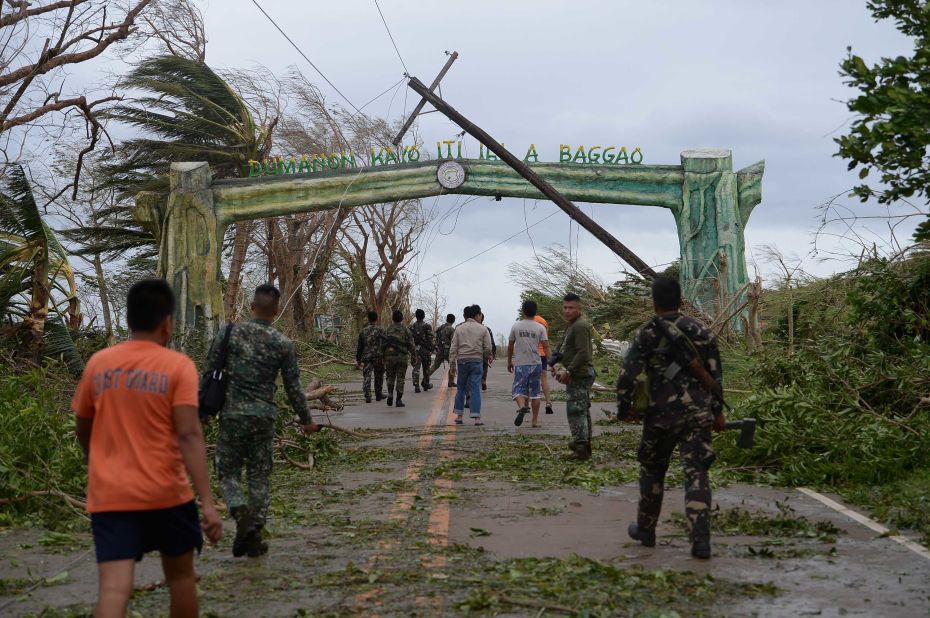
(549, 409)
(478, 423)
(520, 414)
(458, 420)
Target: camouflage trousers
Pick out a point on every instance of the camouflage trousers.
(374, 367)
(423, 361)
(442, 356)
(245, 441)
(578, 408)
(395, 367)
(690, 430)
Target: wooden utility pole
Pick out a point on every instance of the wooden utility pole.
(524, 170)
(416, 110)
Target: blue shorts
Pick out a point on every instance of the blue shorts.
(124, 535)
(526, 380)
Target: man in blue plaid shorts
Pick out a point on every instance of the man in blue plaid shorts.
(525, 363)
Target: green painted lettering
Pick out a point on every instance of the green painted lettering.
(413, 154)
(347, 160)
(304, 165)
(291, 166)
(531, 153)
(580, 156)
(594, 157)
(459, 155)
(609, 158)
(255, 168)
(448, 143)
(633, 155)
(333, 161)
(319, 163)
(565, 153)
(622, 157)
(390, 157)
(377, 159)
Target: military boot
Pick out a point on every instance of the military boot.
(701, 550)
(647, 538)
(243, 517)
(416, 388)
(254, 545)
(379, 395)
(399, 403)
(427, 386)
(390, 398)
(367, 398)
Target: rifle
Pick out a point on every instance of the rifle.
(692, 359)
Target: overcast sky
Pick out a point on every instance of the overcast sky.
(760, 78)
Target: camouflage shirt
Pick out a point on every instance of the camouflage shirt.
(398, 341)
(444, 337)
(671, 384)
(369, 343)
(257, 352)
(422, 336)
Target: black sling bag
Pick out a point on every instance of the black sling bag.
(213, 394)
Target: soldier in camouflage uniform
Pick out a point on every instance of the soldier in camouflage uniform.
(368, 357)
(423, 337)
(681, 412)
(443, 342)
(257, 353)
(577, 374)
(398, 349)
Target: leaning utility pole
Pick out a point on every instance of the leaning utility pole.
(416, 110)
(524, 170)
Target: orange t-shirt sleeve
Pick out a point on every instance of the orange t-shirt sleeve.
(83, 401)
(186, 384)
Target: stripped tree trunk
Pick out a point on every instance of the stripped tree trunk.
(34, 324)
(104, 300)
(240, 248)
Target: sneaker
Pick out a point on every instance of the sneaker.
(700, 550)
(647, 538)
(549, 409)
(520, 414)
(390, 400)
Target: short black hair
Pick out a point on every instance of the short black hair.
(666, 293)
(477, 308)
(468, 312)
(397, 316)
(372, 316)
(529, 308)
(420, 314)
(148, 303)
(571, 297)
(266, 298)
(450, 318)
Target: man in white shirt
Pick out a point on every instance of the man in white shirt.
(525, 363)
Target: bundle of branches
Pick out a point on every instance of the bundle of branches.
(844, 406)
(42, 471)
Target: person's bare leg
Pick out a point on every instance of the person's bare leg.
(182, 584)
(534, 404)
(521, 401)
(545, 387)
(114, 587)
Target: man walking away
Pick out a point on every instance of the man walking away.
(544, 359)
(398, 349)
(423, 338)
(136, 409)
(368, 357)
(577, 374)
(257, 354)
(523, 360)
(471, 343)
(488, 359)
(681, 412)
(443, 341)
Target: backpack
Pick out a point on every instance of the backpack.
(212, 396)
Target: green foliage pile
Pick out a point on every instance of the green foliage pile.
(41, 464)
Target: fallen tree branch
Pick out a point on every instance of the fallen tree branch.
(75, 502)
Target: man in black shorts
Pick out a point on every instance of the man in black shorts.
(136, 408)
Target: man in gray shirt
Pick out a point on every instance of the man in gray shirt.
(524, 362)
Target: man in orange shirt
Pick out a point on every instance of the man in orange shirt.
(545, 365)
(136, 408)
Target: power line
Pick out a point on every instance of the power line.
(299, 51)
(384, 21)
(480, 253)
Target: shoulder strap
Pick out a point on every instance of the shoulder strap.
(224, 350)
(673, 326)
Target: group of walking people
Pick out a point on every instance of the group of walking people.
(138, 418)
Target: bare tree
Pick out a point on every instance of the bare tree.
(790, 270)
(175, 27)
(38, 42)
